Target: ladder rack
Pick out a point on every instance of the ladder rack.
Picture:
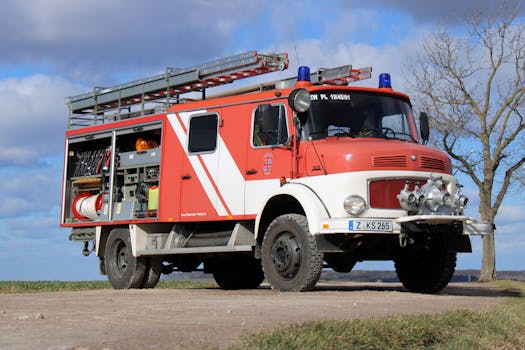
(342, 75)
(115, 103)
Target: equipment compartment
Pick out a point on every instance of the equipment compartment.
(140, 158)
(101, 186)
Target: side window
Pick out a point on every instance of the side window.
(203, 133)
(269, 126)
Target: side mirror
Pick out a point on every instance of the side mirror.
(424, 128)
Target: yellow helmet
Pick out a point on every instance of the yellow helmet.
(141, 144)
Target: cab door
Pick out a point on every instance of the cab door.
(212, 181)
(269, 155)
(199, 197)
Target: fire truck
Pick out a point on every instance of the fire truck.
(273, 181)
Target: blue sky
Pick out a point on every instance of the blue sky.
(51, 49)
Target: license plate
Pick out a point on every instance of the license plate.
(370, 225)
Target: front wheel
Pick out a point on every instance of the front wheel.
(290, 258)
(426, 270)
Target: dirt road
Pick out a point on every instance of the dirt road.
(196, 318)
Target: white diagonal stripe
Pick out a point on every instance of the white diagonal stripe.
(195, 163)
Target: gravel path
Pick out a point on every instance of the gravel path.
(197, 318)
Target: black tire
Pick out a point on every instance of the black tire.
(340, 262)
(153, 272)
(238, 273)
(290, 258)
(123, 269)
(426, 271)
(185, 262)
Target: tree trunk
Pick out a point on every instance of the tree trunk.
(488, 261)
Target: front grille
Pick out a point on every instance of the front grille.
(383, 193)
(389, 161)
(432, 164)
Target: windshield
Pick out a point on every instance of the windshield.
(357, 114)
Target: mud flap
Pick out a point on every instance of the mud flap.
(458, 243)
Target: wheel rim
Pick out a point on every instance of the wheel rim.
(122, 257)
(286, 255)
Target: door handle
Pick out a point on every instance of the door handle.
(186, 177)
(251, 172)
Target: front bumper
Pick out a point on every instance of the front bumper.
(471, 226)
(374, 225)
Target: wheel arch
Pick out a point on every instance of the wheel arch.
(293, 198)
(101, 237)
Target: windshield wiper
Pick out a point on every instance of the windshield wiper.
(385, 131)
(373, 132)
(402, 138)
(343, 133)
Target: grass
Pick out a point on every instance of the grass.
(11, 287)
(501, 327)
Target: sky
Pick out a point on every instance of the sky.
(51, 49)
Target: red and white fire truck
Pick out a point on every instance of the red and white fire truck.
(275, 181)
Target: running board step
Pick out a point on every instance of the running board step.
(196, 250)
(181, 239)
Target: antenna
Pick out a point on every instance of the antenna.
(297, 55)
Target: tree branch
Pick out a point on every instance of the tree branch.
(506, 183)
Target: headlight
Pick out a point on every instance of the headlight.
(462, 200)
(354, 204)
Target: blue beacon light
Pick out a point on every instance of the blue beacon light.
(303, 74)
(384, 81)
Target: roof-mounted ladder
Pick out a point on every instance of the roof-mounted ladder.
(90, 108)
(342, 75)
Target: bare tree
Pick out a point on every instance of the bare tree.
(473, 86)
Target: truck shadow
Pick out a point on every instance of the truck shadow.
(473, 289)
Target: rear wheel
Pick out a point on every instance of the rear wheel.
(290, 257)
(123, 269)
(238, 273)
(426, 270)
(153, 272)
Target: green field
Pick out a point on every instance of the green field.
(56, 286)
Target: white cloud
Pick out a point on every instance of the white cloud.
(506, 228)
(448, 11)
(29, 191)
(511, 244)
(317, 53)
(34, 117)
(42, 228)
(104, 36)
(511, 213)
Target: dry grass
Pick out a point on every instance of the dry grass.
(501, 327)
